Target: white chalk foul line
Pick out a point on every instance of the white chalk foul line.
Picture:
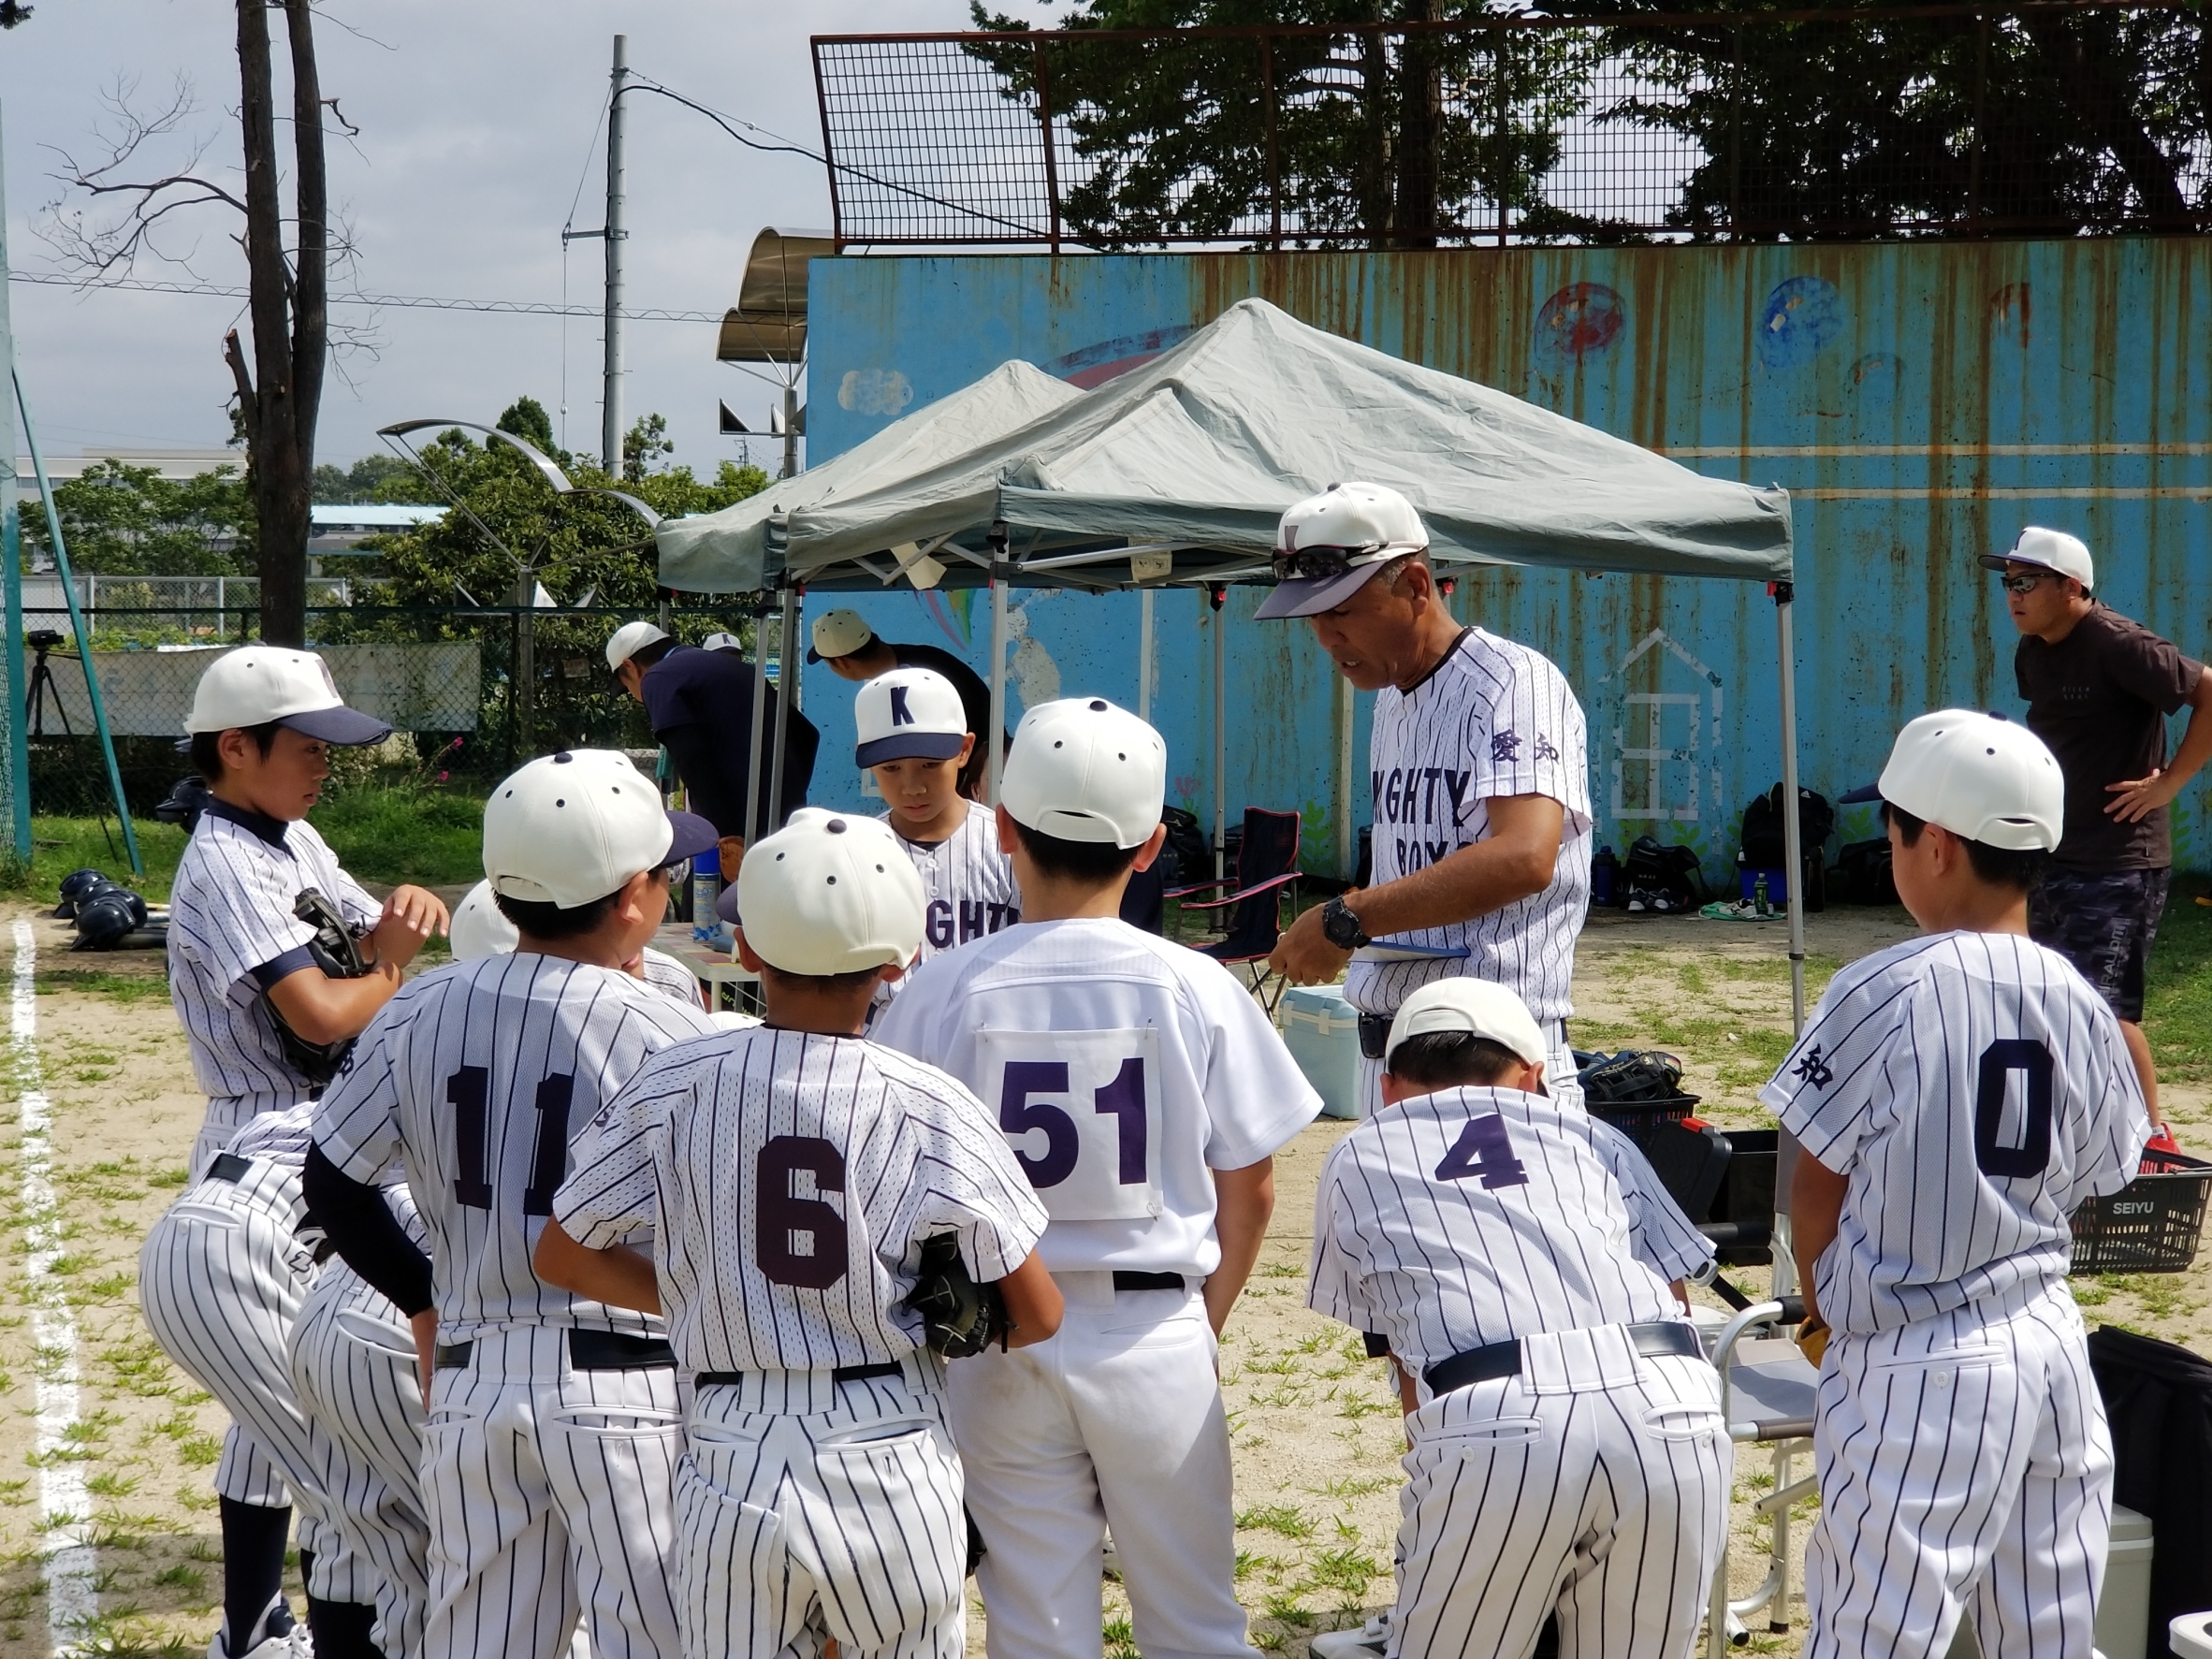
(65, 1507)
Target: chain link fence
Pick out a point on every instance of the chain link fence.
(2048, 119)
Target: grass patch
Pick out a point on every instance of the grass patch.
(60, 844)
(101, 982)
(2178, 998)
(431, 836)
(1279, 1518)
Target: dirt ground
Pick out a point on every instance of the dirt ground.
(1316, 1426)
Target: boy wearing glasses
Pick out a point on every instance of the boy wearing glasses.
(2099, 688)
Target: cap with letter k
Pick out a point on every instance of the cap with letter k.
(908, 714)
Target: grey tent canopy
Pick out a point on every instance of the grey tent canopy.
(1188, 461)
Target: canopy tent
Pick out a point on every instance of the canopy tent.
(1178, 471)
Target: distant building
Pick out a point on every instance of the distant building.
(340, 527)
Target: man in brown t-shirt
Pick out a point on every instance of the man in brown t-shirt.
(2099, 688)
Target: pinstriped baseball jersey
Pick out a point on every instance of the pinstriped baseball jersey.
(1123, 1069)
(967, 884)
(232, 932)
(1973, 1089)
(671, 978)
(1659, 1234)
(791, 1179)
(1493, 718)
(1470, 1216)
(473, 1076)
(275, 1144)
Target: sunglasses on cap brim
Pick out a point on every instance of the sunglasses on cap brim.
(1309, 564)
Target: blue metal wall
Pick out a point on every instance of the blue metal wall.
(1921, 402)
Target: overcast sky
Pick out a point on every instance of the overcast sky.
(477, 125)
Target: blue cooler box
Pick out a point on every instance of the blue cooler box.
(1322, 1031)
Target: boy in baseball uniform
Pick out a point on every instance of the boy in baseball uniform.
(914, 738)
(221, 1278)
(1955, 1098)
(791, 1175)
(1566, 1454)
(1145, 1094)
(550, 1447)
(265, 1022)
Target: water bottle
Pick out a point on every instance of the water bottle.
(1604, 874)
(706, 886)
(1759, 896)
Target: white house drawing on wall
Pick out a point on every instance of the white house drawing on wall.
(1666, 736)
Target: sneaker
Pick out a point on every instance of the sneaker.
(1367, 1642)
(291, 1642)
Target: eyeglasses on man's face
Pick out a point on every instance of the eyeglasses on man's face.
(2023, 581)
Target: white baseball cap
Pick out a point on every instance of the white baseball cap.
(839, 634)
(572, 827)
(255, 684)
(630, 639)
(478, 929)
(907, 714)
(1475, 1006)
(830, 893)
(723, 641)
(1082, 769)
(2054, 549)
(1979, 777)
(1329, 544)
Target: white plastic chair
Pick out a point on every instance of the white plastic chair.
(1767, 1400)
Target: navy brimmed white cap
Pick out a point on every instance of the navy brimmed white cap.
(630, 639)
(2054, 549)
(1476, 1008)
(908, 714)
(1082, 769)
(830, 893)
(1371, 524)
(839, 634)
(256, 684)
(575, 826)
(1979, 777)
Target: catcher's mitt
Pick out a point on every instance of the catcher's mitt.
(1631, 1077)
(337, 950)
(959, 1316)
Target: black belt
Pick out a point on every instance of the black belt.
(588, 1350)
(229, 1167)
(843, 1374)
(1657, 1340)
(1130, 1281)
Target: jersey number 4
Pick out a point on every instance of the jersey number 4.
(1483, 1149)
(468, 1091)
(2033, 1152)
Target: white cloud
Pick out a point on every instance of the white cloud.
(477, 125)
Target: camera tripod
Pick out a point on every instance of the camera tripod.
(42, 641)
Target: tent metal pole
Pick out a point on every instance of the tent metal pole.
(1792, 831)
(760, 722)
(784, 678)
(1784, 1269)
(1218, 599)
(996, 736)
(1144, 653)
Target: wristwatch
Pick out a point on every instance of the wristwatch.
(1340, 928)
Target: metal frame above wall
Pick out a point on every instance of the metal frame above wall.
(2047, 118)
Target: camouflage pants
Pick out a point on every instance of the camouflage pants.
(2103, 922)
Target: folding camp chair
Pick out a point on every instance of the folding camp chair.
(1266, 864)
(1767, 1390)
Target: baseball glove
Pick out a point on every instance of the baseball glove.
(337, 950)
(959, 1316)
(1813, 1338)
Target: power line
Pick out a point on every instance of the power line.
(536, 308)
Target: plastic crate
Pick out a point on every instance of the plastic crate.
(2150, 1226)
(1638, 1117)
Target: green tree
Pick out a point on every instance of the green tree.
(373, 478)
(581, 549)
(120, 520)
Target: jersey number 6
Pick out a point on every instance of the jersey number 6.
(783, 1219)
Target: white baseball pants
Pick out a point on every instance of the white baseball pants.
(219, 1297)
(550, 1492)
(1117, 1418)
(1559, 1082)
(842, 1521)
(1964, 1463)
(1593, 1485)
(353, 1366)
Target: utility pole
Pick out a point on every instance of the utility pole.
(791, 429)
(610, 429)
